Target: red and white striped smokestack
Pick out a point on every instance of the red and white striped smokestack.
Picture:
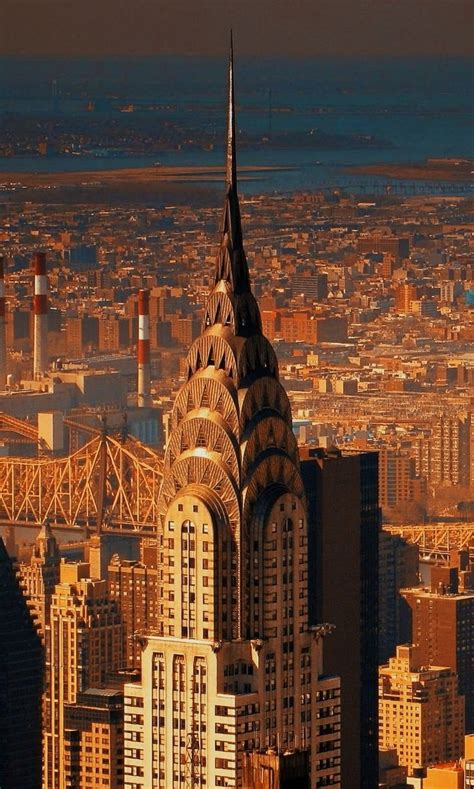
(144, 376)
(3, 337)
(40, 305)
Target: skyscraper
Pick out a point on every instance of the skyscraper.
(344, 524)
(234, 666)
(21, 675)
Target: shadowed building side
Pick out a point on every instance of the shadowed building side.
(21, 677)
(344, 523)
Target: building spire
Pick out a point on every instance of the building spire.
(231, 263)
(231, 170)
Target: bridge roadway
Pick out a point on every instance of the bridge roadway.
(109, 484)
(436, 540)
(112, 484)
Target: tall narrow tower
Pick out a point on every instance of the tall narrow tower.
(84, 639)
(235, 665)
(40, 575)
(143, 348)
(40, 340)
(3, 339)
(21, 673)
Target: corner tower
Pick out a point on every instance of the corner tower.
(233, 666)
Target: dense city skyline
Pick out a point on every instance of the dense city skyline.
(267, 27)
(236, 441)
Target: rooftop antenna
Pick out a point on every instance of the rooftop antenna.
(231, 166)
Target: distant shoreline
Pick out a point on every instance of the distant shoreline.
(135, 175)
(430, 170)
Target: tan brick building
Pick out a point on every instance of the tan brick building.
(84, 641)
(421, 713)
(39, 577)
(93, 740)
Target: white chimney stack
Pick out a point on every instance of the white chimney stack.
(40, 352)
(143, 349)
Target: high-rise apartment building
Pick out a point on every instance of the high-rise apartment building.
(404, 295)
(397, 246)
(40, 575)
(304, 326)
(312, 285)
(396, 472)
(134, 587)
(446, 457)
(421, 713)
(93, 740)
(234, 666)
(114, 333)
(450, 461)
(82, 334)
(21, 675)
(344, 523)
(84, 640)
(442, 625)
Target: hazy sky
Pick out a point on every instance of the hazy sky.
(262, 27)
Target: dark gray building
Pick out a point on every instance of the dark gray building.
(21, 673)
(343, 534)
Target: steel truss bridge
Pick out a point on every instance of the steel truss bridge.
(110, 484)
(436, 540)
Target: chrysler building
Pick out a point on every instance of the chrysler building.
(233, 675)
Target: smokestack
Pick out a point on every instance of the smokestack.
(40, 352)
(143, 385)
(3, 339)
